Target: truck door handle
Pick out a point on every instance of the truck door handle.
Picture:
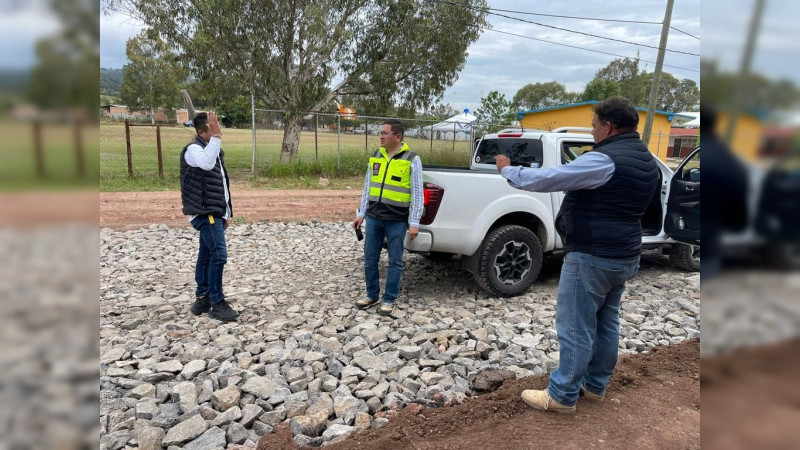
(688, 188)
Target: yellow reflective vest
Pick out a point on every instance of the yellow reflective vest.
(391, 178)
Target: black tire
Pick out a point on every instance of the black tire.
(438, 257)
(510, 258)
(685, 257)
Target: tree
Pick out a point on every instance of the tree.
(153, 76)
(542, 95)
(66, 74)
(634, 84)
(600, 89)
(298, 55)
(495, 110)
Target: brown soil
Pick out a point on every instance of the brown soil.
(653, 402)
(132, 210)
(754, 397)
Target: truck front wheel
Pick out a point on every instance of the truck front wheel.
(509, 262)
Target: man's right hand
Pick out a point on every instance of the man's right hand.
(357, 222)
(213, 125)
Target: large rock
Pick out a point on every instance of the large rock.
(261, 387)
(370, 362)
(306, 425)
(173, 366)
(146, 409)
(146, 301)
(336, 433)
(150, 438)
(409, 351)
(186, 394)
(212, 439)
(491, 380)
(186, 431)
(231, 415)
(431, 378)
(224, 399)
(145, 390)
(346, 407)
(193, 368)
(237, 433)
(250, 413)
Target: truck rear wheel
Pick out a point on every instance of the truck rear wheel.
(685, 257)
(509, 262)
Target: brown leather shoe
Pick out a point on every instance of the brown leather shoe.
(542, 401)
(588, 395)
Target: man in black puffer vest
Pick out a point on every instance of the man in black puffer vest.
(608, 190)
(206, 198)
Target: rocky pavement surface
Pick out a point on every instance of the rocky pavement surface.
(301, 353)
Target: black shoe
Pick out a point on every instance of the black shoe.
(223, 311)
(201, 305)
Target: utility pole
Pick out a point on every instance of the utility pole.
(741, 82)
(662, 48)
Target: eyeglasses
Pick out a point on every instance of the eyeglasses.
(387, 133)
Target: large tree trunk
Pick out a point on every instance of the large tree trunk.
(291, 138)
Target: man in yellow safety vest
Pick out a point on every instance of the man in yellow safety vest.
(392, 202)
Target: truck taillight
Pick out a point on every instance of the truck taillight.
(433, 198)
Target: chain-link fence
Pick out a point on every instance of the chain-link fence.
(341, 144)
(329, 144)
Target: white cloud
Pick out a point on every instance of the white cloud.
(115, 30)
(20, 29)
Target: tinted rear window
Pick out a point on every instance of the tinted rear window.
(519, 151)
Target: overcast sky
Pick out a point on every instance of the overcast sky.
(506, 63)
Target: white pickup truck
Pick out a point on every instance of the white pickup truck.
(503, 233)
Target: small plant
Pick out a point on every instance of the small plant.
(239, 220)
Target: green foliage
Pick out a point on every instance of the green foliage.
(759, 93)
(495, 110)
(600, 89)
(542, 95)
(110, 81)
(152, 77)
(623, 77)
(298, 55)
(66, 74)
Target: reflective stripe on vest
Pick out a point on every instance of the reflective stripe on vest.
(391, 178)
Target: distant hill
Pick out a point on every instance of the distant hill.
(110, 81)
(14, 81)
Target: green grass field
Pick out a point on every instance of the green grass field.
(58, 143)
(312, 161)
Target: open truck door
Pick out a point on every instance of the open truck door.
(682, 220)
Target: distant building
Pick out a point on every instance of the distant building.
(580, 115)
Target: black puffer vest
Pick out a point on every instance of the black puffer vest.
(606, 221)
(202, 191)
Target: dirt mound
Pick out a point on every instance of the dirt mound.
(653, 402)
(754, 398)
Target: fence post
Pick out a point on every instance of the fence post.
(454, 137)
(79, 149)
(316, 141)
(158, 149)
(366, 136)
(431, 133)
(253, 125)
(128, 144)
(338, 142)
(38, 154)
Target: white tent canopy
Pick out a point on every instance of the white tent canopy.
(458, 127)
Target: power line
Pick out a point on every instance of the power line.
(565, 29)
(574, 17)
(586, 49)
(681, 31)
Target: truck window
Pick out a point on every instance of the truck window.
(521, 152)
(572, 150)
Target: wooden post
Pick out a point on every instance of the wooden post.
(158, 147)
(454, 137)
(366, 136)
(128, 143)
(431, 139)
(79, 150)
(38, 154)
(316, 142)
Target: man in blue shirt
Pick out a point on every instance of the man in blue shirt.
(608, 191)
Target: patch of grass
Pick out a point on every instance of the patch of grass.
(328, 155)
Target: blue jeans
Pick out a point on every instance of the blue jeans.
(394, 232)
(211, 257)
(587, 323)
